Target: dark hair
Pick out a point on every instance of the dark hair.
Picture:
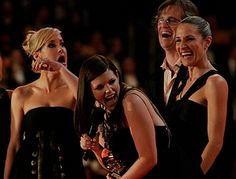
(201, 24)
(90, 69)
(189, 8)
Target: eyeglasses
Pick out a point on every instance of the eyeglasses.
(170, 21)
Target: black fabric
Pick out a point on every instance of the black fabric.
(181, 79)
(155, 88)
(4, 127)
(172, 161)
(50, 147)
(188, 123)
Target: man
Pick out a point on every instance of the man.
(169, 14)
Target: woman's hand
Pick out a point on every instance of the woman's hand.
(88, 143)
(46, 64)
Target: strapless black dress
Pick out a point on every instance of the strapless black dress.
(50, 147)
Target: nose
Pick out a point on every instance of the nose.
(182, 44)
(60, 49)
(108, 89)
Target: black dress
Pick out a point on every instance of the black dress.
(4, 127)
(188, 123)
(123, 148)
(50, 147)
(172, 162)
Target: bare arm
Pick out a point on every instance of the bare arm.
(16, 123)
(216, 95)
(143, 133)
(71, 80)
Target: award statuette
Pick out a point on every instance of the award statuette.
(114, 166)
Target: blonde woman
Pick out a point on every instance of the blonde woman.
(43, 143)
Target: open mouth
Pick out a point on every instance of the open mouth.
(111, 100)
(166, 34)
(62, 60)
(186, 54)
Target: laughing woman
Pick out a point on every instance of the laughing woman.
(43, 142)
(198, 118)
(132, 139)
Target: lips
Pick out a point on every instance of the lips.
(109, 97)
(110, 101)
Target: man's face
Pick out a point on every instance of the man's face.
(166, 26)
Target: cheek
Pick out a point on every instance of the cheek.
(98, 95)
(177, 47)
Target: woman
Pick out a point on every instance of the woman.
(132, 138)
(197, 119)
(43, 142)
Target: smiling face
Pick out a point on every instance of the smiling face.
(166, 26)
(190, 44)
(106, 89)
(54, 49)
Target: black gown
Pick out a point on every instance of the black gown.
(188, 123)
(123, 148)
(50, 147)
(172, 162)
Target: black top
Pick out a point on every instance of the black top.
(50, 147)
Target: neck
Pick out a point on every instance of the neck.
(50, 81)
(196, 72)
(171, 58)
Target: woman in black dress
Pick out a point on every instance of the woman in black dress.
(43, 142)
(132, 138)
(197, 119)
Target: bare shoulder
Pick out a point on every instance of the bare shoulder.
(216, 83)
(22, 92)
(216, 80)
(134, 97)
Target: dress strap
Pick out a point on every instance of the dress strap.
(181, 78)
(201, 81)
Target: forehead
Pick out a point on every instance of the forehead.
(172, 11)
(186, 29)
(55, 36)
(103, 78)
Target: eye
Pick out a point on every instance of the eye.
(99, 87)
(177, 40)
(190, 39)
(112, 81)
(51, 45)
(173, 21)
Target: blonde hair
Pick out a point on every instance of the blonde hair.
(35, 40)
